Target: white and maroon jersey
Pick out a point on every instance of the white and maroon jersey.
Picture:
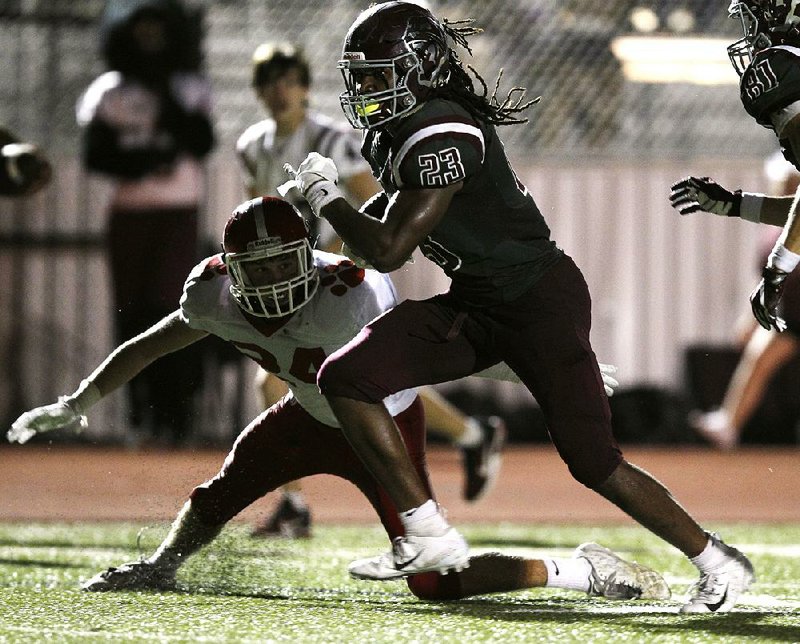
(294, 348)
(263, 155)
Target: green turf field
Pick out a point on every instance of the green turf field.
(246, 590)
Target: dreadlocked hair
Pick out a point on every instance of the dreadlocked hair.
(460, 87)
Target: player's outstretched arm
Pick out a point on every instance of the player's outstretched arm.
(703, 194)
(127, 360)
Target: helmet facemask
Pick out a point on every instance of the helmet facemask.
(755, 37)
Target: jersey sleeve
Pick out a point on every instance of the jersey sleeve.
(437, 148)
(770, 87)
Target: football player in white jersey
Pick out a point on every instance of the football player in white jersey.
(289, 307)
(281, 79)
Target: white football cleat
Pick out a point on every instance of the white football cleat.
(139, 575)
(615, 578)
(717, 592)
(412, 555)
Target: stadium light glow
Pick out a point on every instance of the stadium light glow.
(671, 59)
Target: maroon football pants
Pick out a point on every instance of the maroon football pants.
(286, 443)
(543, 336)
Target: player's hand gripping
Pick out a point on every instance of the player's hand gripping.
(765, 298)
(703, 194)
(316, 179)
(62, 414)
(609, 382)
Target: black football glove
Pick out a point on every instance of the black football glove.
(703, 194)
(764, 300)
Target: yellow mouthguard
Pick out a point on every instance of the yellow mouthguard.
(366, 110)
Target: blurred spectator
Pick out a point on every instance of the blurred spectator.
(764, 352)
(147, 125)
(24, 169)
(281, 79)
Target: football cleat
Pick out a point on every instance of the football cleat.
(286, 521)
(412, 555)
(139, 575)
(613, 577)
(482, 462)
(717, 591)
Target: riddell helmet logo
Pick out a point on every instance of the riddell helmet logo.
(354, 55)
(266, 242)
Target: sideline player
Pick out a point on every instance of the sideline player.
(514, 297)
(288, 307)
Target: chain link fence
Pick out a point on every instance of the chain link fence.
(592, 114)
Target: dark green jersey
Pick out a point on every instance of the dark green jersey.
(493, 242)
(770, 85)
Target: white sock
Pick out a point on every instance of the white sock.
(572, 574)
(424, 521)
(711, 559)
(472, 436)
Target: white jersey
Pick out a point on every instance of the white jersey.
(294, 349)
(263, 155)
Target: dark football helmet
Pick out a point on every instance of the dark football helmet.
(404, 46)
(764, 23)
(267, 236)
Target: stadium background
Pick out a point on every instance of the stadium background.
(599, 154)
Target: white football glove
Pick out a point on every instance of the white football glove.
(62, 414)
(316, 179)
(608, 381)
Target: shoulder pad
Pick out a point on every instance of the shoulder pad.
(253, 134)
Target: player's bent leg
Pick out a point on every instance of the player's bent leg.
(593, 569)
(420, 543)
(187, 535)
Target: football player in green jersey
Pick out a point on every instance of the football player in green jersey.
(515, 296)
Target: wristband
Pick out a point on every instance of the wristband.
(86, 395)
(321, 193)
(783, 259)
(750, 208)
